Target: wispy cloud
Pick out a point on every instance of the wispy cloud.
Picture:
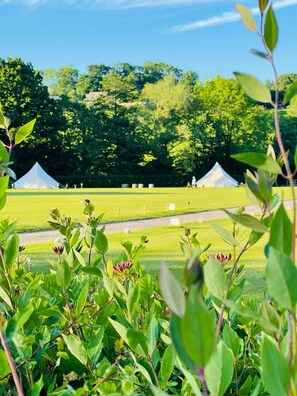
(25, 2)
(226, 17)
(108, 4)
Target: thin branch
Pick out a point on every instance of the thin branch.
(201, 376)
(233, 269)
(105, 378)
(149, 358)
(12, 366)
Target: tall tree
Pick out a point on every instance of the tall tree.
(121, 144)
(24, 97)
(91, 82)
(62, 81)
(227, 122)
(160, 117)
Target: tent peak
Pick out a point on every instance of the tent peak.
(36, 177)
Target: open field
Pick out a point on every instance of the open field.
(164, 246)
(31, 207)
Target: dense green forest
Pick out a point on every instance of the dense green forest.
(125, 123)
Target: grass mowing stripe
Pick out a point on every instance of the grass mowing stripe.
(31, 207)
(164, 246)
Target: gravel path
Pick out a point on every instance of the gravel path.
(130, 225)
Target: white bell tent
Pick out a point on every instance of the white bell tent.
(217, 177)
(36, 178)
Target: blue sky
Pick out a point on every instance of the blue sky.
(205, 36)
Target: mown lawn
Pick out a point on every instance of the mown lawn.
(31, 207)
(164, 245)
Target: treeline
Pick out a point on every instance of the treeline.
(124, 120)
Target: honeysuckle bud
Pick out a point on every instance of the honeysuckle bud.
(120, 268)
(166, 313)
(222, 258)
(193, 271)
(58, 250)
(262, 5)
(187, 231)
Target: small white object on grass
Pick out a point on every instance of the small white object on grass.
(127, 231)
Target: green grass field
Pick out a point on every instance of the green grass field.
(31, 207)
(164, 246)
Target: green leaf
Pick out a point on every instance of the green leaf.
(281, 231)
(192, 379)
(247, 17)
(100, 243)
(232, 340)
(92, 271)
(63, 275)
(3, 199)
(281, 278)
(250, 315)
(5, 297)
(37, 388)
(121, 330)
(4, 156)
(269, 313)
(158, 392)
(145, 369)
(255, 237)
(81, 300)
(219, 370)
(290, 92)
(245, 389)
(133, 298)
(225, 234)
(152, 335)
(18, 320)
(252, 189)
(253, 87)
(4, 366)
(11, 252)
(259, 160)
(172, 291)
(95, 345)
(137, 342)
(265, 185)
(243, 311)
(275, 368)
(76, 347)
(247, 221)
(167, 365)
(3, 184)
(75, 237)
(1, 118)
(4, 122)
(270, 29)
(260, 54)
(176, 337)
(79, 258)
(24, 131)
(197, 330)
(215, 277)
